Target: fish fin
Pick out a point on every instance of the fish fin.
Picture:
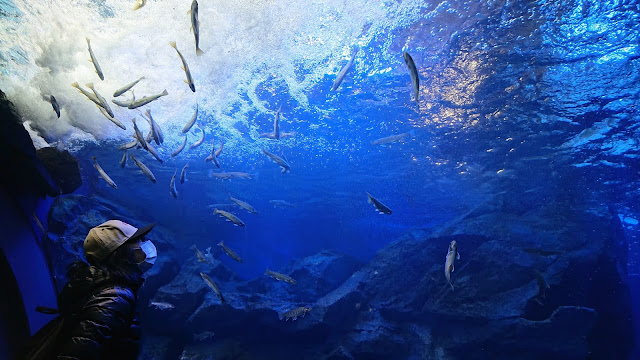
(458, 256)
(164, 92)
(451, 285)
(199, 52)
(88, 40)
(89, 85)
(173, 44)
(189, 13)
(453, 268)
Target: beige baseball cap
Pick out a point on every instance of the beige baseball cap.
(103, 239)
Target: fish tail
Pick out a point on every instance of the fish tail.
(173, 44)
(94, 158)
(88, 41)
(165, 92)
(89, 85)
(75, 85)
(451, 285)
(199, 51)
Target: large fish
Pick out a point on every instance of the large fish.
(94, 60)
(195, 25)
(229, 175)
(185, 67)
(112, 119)
(282, 161)
(200, 256)
(276, 127)
(154, 153)
(139, 136)
(125, 104)
(344, 70)
(280, 277)
(243, 205)
(281, 203)
(103, 174)
(187, 127)
(172, 186)
(183, 174)
(199, 142)
(129, 145)
(178, 150)
(380, 207)
(393, 138)
(230, 217)
(55, 105)
(84, 92)
(294, 313)
(123, 162)
(212, 285)
(452, 256)
(103, 102)
(232, 254)
(156, 132)
(139, 4)
(126, 88)
(144, 168)
(145, 100)
(413, 71)
(214, 155)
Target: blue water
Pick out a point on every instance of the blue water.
(537, 101)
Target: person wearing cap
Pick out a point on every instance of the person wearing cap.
(100, 296)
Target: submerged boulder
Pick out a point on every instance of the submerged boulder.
(63, 168)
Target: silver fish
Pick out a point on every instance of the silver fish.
(161, 305)
(84, 92)
(344, 70)
(281, 203)
(232, 254)
(139, 136)
(156, 132)
(276, 127)
(195, 25)
(103, 174)
(103, 102)
(199, 142)
(94, 60)
(393, 138)
(139, 4)
(279, 160)
(126, 88)
(243, 205)
(125, 104)
(154, 153)
(214, 155)
(230, 217)
(144, 169)
(123, 162)
(145, 100)
(111, 118)
(183, 173)
(185, 67)
(280, 277)
(129, 145)
(55, 105)
(380, 207)
(452, 256)
(294, 313)
(178, 150)
(191, 122)
(413, 71)
(172, 186)
(212, 285)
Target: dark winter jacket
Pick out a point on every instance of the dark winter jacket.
(102, 303)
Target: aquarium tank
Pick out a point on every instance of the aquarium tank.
(328, 179)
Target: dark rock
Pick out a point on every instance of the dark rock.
(23, 173)
(63, 168)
